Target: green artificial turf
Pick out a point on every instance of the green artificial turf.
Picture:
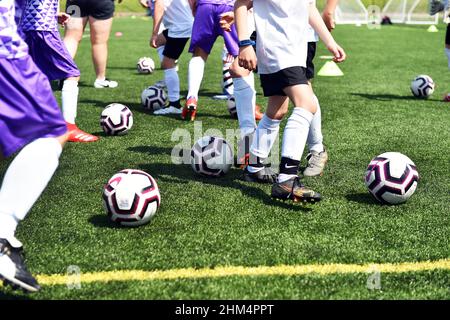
(216, 222)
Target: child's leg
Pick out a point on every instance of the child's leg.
(245, 97)
(315, 137)
(227, 81)
(296, 130)
(196, 70)
(267, 131)
(25, 180)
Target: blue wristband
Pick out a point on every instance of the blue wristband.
(246, 42)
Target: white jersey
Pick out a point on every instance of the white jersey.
(281, 26)
(178, 18)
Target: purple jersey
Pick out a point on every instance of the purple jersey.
(11, 44)
(40, 15)
(226, 2)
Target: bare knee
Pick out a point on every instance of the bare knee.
(168, 63)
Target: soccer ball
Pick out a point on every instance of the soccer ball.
(131, 198)
(116, 119)
(422, 86)
(145, 65)
(391, 178)
(231, 105)
(211, 156)
(153, 98)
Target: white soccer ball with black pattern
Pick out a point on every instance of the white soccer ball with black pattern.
(422, 86)
(231, 106)
(153, 98)
(116, 119)
(131, 198)
(391, 178)
(211, 156)
(145, 65)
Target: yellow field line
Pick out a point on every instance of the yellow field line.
(227, 271)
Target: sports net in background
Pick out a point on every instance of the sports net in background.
(351, 12)
(409, 11)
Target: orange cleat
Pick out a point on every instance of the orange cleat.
(77, 135)
(190, 109)
(244, 161)
(258, 113)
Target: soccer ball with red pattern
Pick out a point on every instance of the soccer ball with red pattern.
(391, 178)
(116, 119)
(131, 198)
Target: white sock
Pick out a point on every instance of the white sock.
(315, 137)
(195, 77)
(25, 180)
(173, 84)
(296, 133)
(294, 141)
(265, 136)
(447, 52)
(245, 97)
(69, 97)
(160, 51)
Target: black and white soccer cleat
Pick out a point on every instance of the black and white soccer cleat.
(265, 175)
(13, 270)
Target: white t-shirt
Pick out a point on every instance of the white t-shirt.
(281, 26)
(178, 18)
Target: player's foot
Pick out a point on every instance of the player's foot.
(78, 135)
(447, 97)
(13, 269)
(293, 190)
(101, 84)
(190, 110)
(316, 163)
(258, 113)
(243, 161)
(265, 175)
(168, 110)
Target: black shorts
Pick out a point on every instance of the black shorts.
(447, 35)
(310, 60)
(98, 9)
(274, 83)
(174, 46)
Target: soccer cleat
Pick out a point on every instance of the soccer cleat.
(12, 267)
(265, 175)
(168, 110)
(293, 190)
(258, 113)
(100, 84)
(316, 163)
(78, 135)
(190, 110)
(447, 97)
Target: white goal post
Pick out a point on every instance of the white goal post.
(409, 11)
(351, 12)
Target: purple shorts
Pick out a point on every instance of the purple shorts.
(28, 109)
(50, 55)
(206, 29)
